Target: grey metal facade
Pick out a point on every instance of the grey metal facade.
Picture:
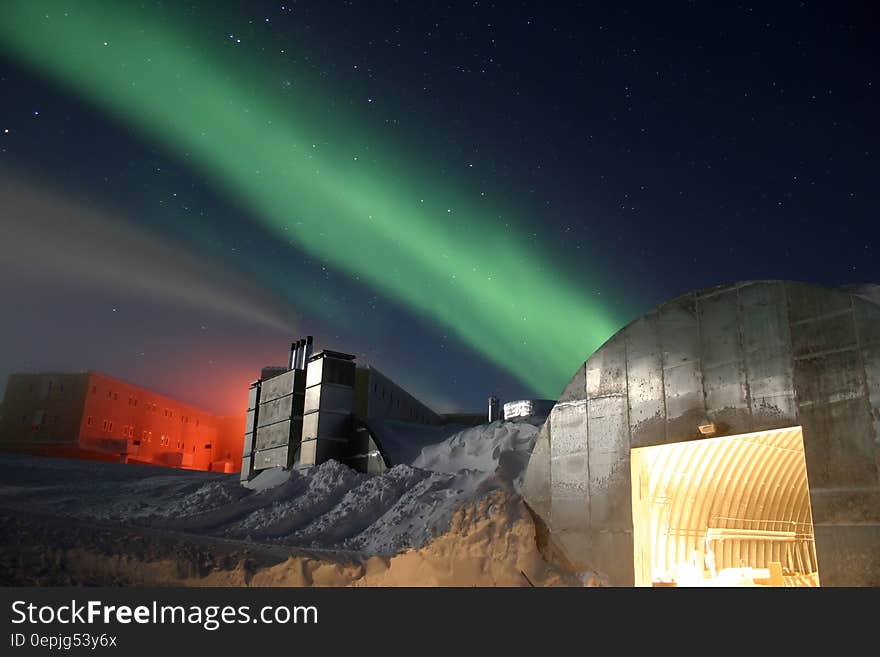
(747, 357)
(329, 401)
(377, 396)
(273, 427)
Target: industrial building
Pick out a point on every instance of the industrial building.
(95, 416)
(322, 406)
(729, 436)
(523, 408)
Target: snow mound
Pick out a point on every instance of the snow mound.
(268, 479)
(361, 506)
(480, 448)
(328, 507)
(208, 496)
(417, 516)
(302, 499)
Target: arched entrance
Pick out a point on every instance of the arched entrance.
(731, 511)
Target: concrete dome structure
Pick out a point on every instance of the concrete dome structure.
(731, 430)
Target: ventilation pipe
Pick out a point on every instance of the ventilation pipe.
(307, 351)
(291, 361)
(493, 409)
(299, 354)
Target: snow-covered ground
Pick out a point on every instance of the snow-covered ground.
(329, 507)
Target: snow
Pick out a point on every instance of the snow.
(869, 291)
(329, 507)
(479, 448)
(267, 479)
(403, 441)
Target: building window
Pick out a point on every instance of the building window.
(94, 389)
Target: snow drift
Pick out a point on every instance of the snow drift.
(329, 506)
(451, 503)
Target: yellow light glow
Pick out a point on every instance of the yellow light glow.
(731, 511)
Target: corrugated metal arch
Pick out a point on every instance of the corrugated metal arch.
(750, 490)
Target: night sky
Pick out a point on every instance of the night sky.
(470, 196)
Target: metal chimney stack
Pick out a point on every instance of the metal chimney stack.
(493, 409)
(300, 354)
(299, 351)
(307, 351)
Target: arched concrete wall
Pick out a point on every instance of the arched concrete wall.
(749, 357)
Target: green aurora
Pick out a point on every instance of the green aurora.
(311, 178)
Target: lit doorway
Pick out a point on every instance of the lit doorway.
(731, 511)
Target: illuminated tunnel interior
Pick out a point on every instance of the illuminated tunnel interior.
(724, 511)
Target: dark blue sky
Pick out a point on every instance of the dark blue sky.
(664, 146)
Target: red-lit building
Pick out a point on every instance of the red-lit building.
(91, 415)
